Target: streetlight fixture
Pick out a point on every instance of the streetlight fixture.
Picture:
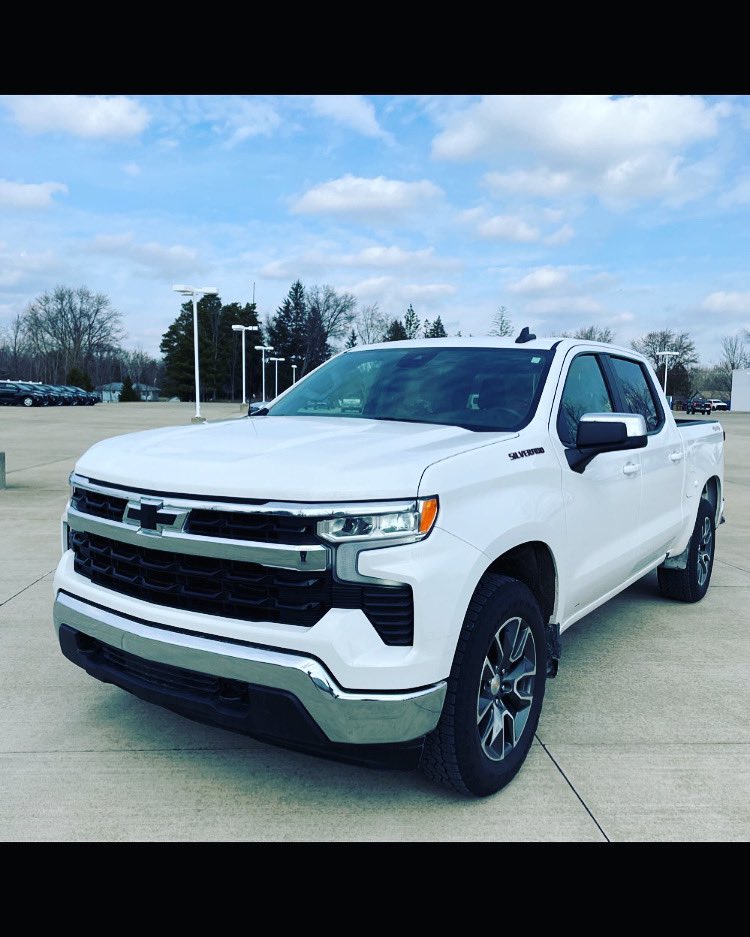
(277, 373)
(263, 349)
(666, 355)
(196, 291)
(243, 329)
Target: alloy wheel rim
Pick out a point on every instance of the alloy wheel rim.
(705, 547)
(506, 688)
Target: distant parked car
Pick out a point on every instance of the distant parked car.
(718, 404)
(698, 404)
(55, 396)
(81, 397)
(15, 393)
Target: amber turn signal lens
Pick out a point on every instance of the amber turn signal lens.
(428, 509)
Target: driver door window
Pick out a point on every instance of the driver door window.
(585, 392)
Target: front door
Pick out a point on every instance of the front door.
(602, 504)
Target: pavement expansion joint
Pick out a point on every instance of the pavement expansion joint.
(571, 786)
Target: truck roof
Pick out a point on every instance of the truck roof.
(488, 341)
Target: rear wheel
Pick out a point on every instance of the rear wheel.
(495, 691)
(691, 584)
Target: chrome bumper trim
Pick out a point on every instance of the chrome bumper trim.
(343, 715)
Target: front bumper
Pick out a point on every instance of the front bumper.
(252, 682)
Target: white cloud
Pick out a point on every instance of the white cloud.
(350, 110)
(243, 118)
(28, 194)
(508, 228)
(621, 149)
(739, 194)
(157, 259)
(83, 116)
(20, 268)
(732, 303)
(374, 199)
(595, 128)
(541, 181)
(430, 290)
(541, 280)
(319, 263)
(557, 305)
(381, 256)
(131, 169)
(392, 293)
(561, 236)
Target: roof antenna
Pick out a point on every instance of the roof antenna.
(525, 336)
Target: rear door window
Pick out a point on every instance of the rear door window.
(637, 392)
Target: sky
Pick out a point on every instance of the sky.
(630, 212)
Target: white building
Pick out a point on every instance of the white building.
(110, 393)
(741, 390)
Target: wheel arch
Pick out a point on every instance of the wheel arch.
(532, 563)
(712, 493)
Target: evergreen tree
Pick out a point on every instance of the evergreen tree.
(287, 331)
(411, 323)
(501, 324)
(128, 394)
(395, 332)
(436, 330)
(79, 378)
(219, 350)
(352, 340)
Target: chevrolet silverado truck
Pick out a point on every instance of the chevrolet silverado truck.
(388, 584)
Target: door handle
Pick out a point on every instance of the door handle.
(675, 457)
(630, 468)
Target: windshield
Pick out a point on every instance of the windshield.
(481, 389)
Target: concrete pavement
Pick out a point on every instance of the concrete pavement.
(644, 734)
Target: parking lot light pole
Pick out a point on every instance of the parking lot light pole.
(194, 291)
(277, 373)
(666, 355)
(294, 374)
(263, 349)
(243, 329)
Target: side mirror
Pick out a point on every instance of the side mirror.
(606, 432)
(256, 410)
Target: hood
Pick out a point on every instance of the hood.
(289, 458)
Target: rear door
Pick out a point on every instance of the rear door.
(662, 460)
(602, 504)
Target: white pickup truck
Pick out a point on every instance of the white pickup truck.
(388, 584)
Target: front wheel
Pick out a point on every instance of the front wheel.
(691, 584)
(28, 401)
(495, 691)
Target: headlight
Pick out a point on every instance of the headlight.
(415, 520)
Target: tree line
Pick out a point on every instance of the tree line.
(74, 336)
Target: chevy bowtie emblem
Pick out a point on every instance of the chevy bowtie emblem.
(148, 515)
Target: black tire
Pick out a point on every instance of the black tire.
(454, 754)
(28, 401)
(691, 584)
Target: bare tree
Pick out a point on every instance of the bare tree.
(734, 353)
(329, 316)
(667, 340)
(501, 324)
(592, 333)
(371, 324)
(67, 328)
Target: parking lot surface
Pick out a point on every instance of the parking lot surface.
(644, 735)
